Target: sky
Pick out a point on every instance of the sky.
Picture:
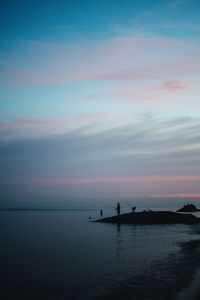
(99, 101)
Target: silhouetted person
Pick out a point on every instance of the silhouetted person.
(101, 213)
(118, 208)
(133, 209)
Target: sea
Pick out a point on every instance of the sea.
(62, 254)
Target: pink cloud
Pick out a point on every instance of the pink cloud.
(120, 58)
(173, 86)
(124, 75)
(135, 179)
(35, 77)
(21, 123)
(72, 120)
(132, 94)
(95, 117)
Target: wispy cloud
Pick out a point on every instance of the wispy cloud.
(85, 181)
(173, 86)
(184, 26)
(144, 157)
(58, 27)
(70, 120)
(176, 4)
(121, 58)
(21, 123)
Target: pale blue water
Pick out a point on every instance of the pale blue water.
(63, 255)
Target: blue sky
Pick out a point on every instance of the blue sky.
(69, 20)
(99, 100)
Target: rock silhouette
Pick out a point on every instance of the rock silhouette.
(188, 208)
(151, 217)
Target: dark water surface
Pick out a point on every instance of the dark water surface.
(62, 255)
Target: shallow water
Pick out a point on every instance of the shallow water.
(62, 255)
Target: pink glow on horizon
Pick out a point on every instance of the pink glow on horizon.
(131, 186)
(125, 179)
(181, 195)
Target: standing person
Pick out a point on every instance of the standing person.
(101, 213)
(118, 208)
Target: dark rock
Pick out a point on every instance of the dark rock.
(188, 208)
(151, 217)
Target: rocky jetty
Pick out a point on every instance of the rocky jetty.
(188, 208)
(151, 217)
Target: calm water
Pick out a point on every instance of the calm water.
(62, 255)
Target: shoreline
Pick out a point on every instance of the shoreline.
(192, 291)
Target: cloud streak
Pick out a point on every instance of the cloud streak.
(78, 119)
(173, 86)
(125, 179)
(120, 58)
(176, 4)
(146, 157)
